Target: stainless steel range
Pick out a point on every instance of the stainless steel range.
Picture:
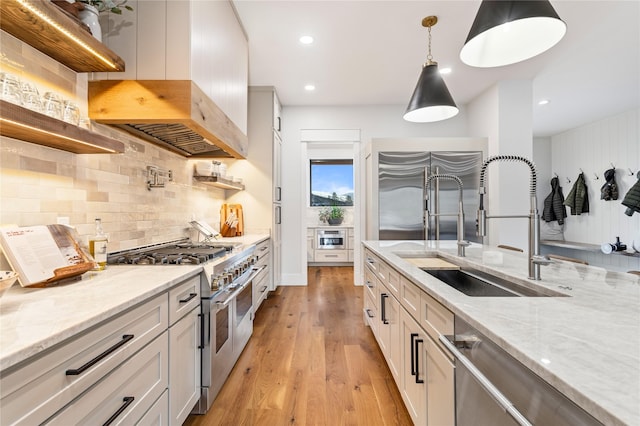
(226, 290)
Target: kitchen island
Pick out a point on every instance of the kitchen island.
(586, 345)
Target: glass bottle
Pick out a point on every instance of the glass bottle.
(98, 246)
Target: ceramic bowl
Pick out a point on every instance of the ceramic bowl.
(7, 278)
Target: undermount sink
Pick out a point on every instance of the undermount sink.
(479, 284)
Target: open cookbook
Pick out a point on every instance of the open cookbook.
(44, 254)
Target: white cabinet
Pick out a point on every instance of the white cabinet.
(184, 356)
(261, 281)
(126, 394)
(407, 323)
(261, 174)
(413, 373)
(141, 365)
(319, 255)
(311, 233)
(32, 393)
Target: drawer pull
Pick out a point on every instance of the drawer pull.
(126, 401)
(191, 296)
(369, 314)
(263, 289)
(85, 367)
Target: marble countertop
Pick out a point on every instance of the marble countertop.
(35, 319)
(587, 345)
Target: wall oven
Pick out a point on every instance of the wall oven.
(331, 239)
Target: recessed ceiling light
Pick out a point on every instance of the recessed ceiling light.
(543, 102)
(309, 87)
(445, 70)
(306, 39)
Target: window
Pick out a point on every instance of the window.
(331, 182)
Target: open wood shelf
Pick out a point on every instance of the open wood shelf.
(30, 126)
(219, 182)
(47, 28)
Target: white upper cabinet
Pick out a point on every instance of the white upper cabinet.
(202, 41)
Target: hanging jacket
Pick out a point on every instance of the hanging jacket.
(609, 190)
(554, 208)
(632, 199)
(578, 198)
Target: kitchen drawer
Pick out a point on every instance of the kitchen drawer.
(158, 414)
(393, 281)
(371, 311)
(370, 283)
(410, 297)
(331, 256)
(262, 249)
(33, 392)
(143, 378)
(260, 288)
(183, 298)
(372, 261)
(435, 318)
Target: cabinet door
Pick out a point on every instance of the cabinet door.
(413, 373)
(310, 250)
(184, 367)
(440, 386)
(158, 414)
(277, 168)
(389, 330)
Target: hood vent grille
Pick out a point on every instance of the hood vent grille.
(174, 114)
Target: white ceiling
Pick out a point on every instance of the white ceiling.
(371, 53)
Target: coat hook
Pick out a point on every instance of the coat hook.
(596, 175)
(581, 171)
(630, 172)
(555, 174)
(568, 180)
(612, 166)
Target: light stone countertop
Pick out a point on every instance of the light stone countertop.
(587, 345)
(35, 319)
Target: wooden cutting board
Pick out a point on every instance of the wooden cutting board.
(225, 211)
(431, 263)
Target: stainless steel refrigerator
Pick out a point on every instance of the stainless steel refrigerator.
(402, 194)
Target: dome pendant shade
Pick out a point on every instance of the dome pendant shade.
(506, 32)
(431, 100)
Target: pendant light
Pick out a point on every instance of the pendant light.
(431, 100)
(506, 32)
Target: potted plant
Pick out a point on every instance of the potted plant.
(89, 15)
(332, 215)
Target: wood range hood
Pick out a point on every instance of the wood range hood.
(175, 114)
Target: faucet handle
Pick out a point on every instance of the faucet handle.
(464, 243)
(539, 259)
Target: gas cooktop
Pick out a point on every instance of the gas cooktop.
(174, 253)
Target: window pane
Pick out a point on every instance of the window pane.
(331, 183)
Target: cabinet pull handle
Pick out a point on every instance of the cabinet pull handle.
(263, 289)
(413, 354)
(191, 296)
(369, 284)
(418, 379)
(278, 193)
(369, 313)
(383, 316)
(127, 400)
(279, 124)
(201, 345)
(370, 261)
(278, 215)
(91, 363)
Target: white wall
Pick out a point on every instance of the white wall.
(373, 122)
(593, 148)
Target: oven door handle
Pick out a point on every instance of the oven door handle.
(493, 391)
(239, 288)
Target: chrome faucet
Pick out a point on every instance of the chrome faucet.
(535, 260)
(460, 214)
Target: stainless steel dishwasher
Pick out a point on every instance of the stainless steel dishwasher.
(493, 388)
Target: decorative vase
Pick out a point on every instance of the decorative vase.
(90, 17)
(334, 221)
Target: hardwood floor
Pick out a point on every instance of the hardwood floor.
(311, 361)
